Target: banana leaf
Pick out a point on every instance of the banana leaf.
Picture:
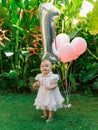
(93, 24)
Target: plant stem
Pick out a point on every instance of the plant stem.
(92, 54)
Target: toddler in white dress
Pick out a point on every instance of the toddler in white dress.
(49, 98)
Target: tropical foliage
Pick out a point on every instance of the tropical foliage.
(21, 25)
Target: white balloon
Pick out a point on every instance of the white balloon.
(55, 51)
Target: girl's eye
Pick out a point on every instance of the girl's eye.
(46, 65)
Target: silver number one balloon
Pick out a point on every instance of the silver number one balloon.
(48, 12)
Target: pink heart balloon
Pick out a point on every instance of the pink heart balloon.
(80, 44)
(61, 39)
(67, 53)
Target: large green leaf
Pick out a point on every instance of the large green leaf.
(4, 2)
(22, 31)
(93, 24)
(20, 4)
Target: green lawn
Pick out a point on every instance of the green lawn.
(18, 113)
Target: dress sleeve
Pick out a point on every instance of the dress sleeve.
(55, 77)
(37, 77)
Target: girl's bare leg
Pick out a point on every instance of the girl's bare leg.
(46, 113)
(51, 114)
(50, 117)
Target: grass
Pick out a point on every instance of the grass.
(18, 113)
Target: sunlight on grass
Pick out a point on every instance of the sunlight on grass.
(18, 113)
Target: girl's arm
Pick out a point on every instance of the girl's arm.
(36, 84)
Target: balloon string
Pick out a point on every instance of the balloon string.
(67, 94)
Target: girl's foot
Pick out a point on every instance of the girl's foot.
(44, 117)
(49, 119)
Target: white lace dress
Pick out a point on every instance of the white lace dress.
(48, 99)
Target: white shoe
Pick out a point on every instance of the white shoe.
(49, 120)
(44, 117)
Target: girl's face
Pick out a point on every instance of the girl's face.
(45, 67)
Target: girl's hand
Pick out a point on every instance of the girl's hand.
(47, 88)
(36, 84)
